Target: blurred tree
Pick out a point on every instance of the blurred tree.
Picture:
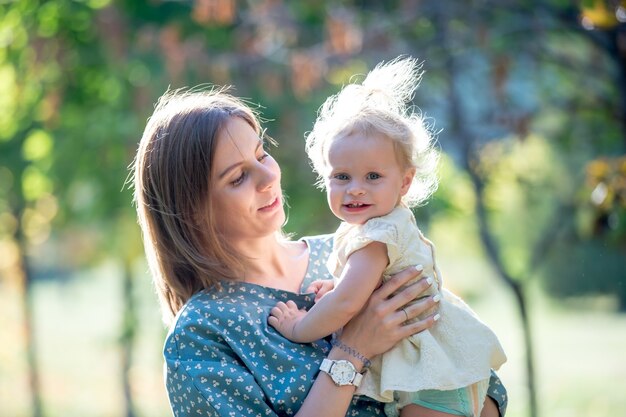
(595, 237)
(64, 140)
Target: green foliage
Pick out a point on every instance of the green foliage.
(591, 267)
(526, 182)
(595, 240)
(78, 79)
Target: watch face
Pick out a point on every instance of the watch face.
(343, 372)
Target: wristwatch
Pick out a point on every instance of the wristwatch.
(342, 372)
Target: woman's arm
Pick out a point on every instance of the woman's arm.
(204, 375)
(376, 329)
(361, 276)
(497, 398)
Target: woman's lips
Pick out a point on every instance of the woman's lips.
(271, 206)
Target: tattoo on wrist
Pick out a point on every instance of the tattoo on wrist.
(351, 351)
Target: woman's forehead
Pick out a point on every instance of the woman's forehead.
(238, 134)
(236, 142)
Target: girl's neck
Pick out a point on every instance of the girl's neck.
(384, 214)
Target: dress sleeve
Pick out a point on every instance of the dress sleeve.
(213, 388)
(379, 229)
(497, 392)
(203, 376)
(320, 248)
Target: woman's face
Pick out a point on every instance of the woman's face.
(246, 198)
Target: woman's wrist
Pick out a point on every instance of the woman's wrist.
(338, 354)
(344, 351)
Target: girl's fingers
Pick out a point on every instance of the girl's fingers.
(314, 287)
(275, 311)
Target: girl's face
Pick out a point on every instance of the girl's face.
(246, 197)
(366, 179)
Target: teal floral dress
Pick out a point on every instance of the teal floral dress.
(223, 359)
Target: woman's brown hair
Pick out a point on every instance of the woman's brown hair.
(172, 182)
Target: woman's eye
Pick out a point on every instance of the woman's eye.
(373, 176)
(262, 157)
(239, 179)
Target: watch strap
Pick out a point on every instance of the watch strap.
(358, 377)
(327, 365)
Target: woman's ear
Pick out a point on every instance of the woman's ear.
(407, 179)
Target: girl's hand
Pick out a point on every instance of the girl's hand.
(284, 317)
(381, 323)
(320, 288)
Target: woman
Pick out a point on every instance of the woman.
(210, 206)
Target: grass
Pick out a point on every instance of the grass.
(579, 357)
(579, 350)
(77, 333)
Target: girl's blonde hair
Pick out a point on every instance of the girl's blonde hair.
(172, 193)
(380, 105)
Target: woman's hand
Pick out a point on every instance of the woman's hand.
(381, 323)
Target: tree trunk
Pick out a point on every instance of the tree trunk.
(515, 285)
(26, 280)
(129, 322)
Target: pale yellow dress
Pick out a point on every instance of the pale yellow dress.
(460, 350)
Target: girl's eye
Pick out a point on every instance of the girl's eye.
(341, 177)
(262, 157)
(373, 176)
(239, 179)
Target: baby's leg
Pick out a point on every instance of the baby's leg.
(414, 410)
(466, 401)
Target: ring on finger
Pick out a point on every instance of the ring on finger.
(405, 314)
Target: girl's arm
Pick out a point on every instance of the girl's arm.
(360, 278)
(374, 330)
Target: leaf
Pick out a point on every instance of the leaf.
(37, 145)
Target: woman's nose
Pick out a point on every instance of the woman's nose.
(267, 178)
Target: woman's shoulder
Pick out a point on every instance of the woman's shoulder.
(227, 300)
(200, 310)
(320, 246)
(210, 319)
(325, 240)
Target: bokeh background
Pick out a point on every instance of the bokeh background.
(528, 97)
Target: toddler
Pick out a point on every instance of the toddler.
(375, 158)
